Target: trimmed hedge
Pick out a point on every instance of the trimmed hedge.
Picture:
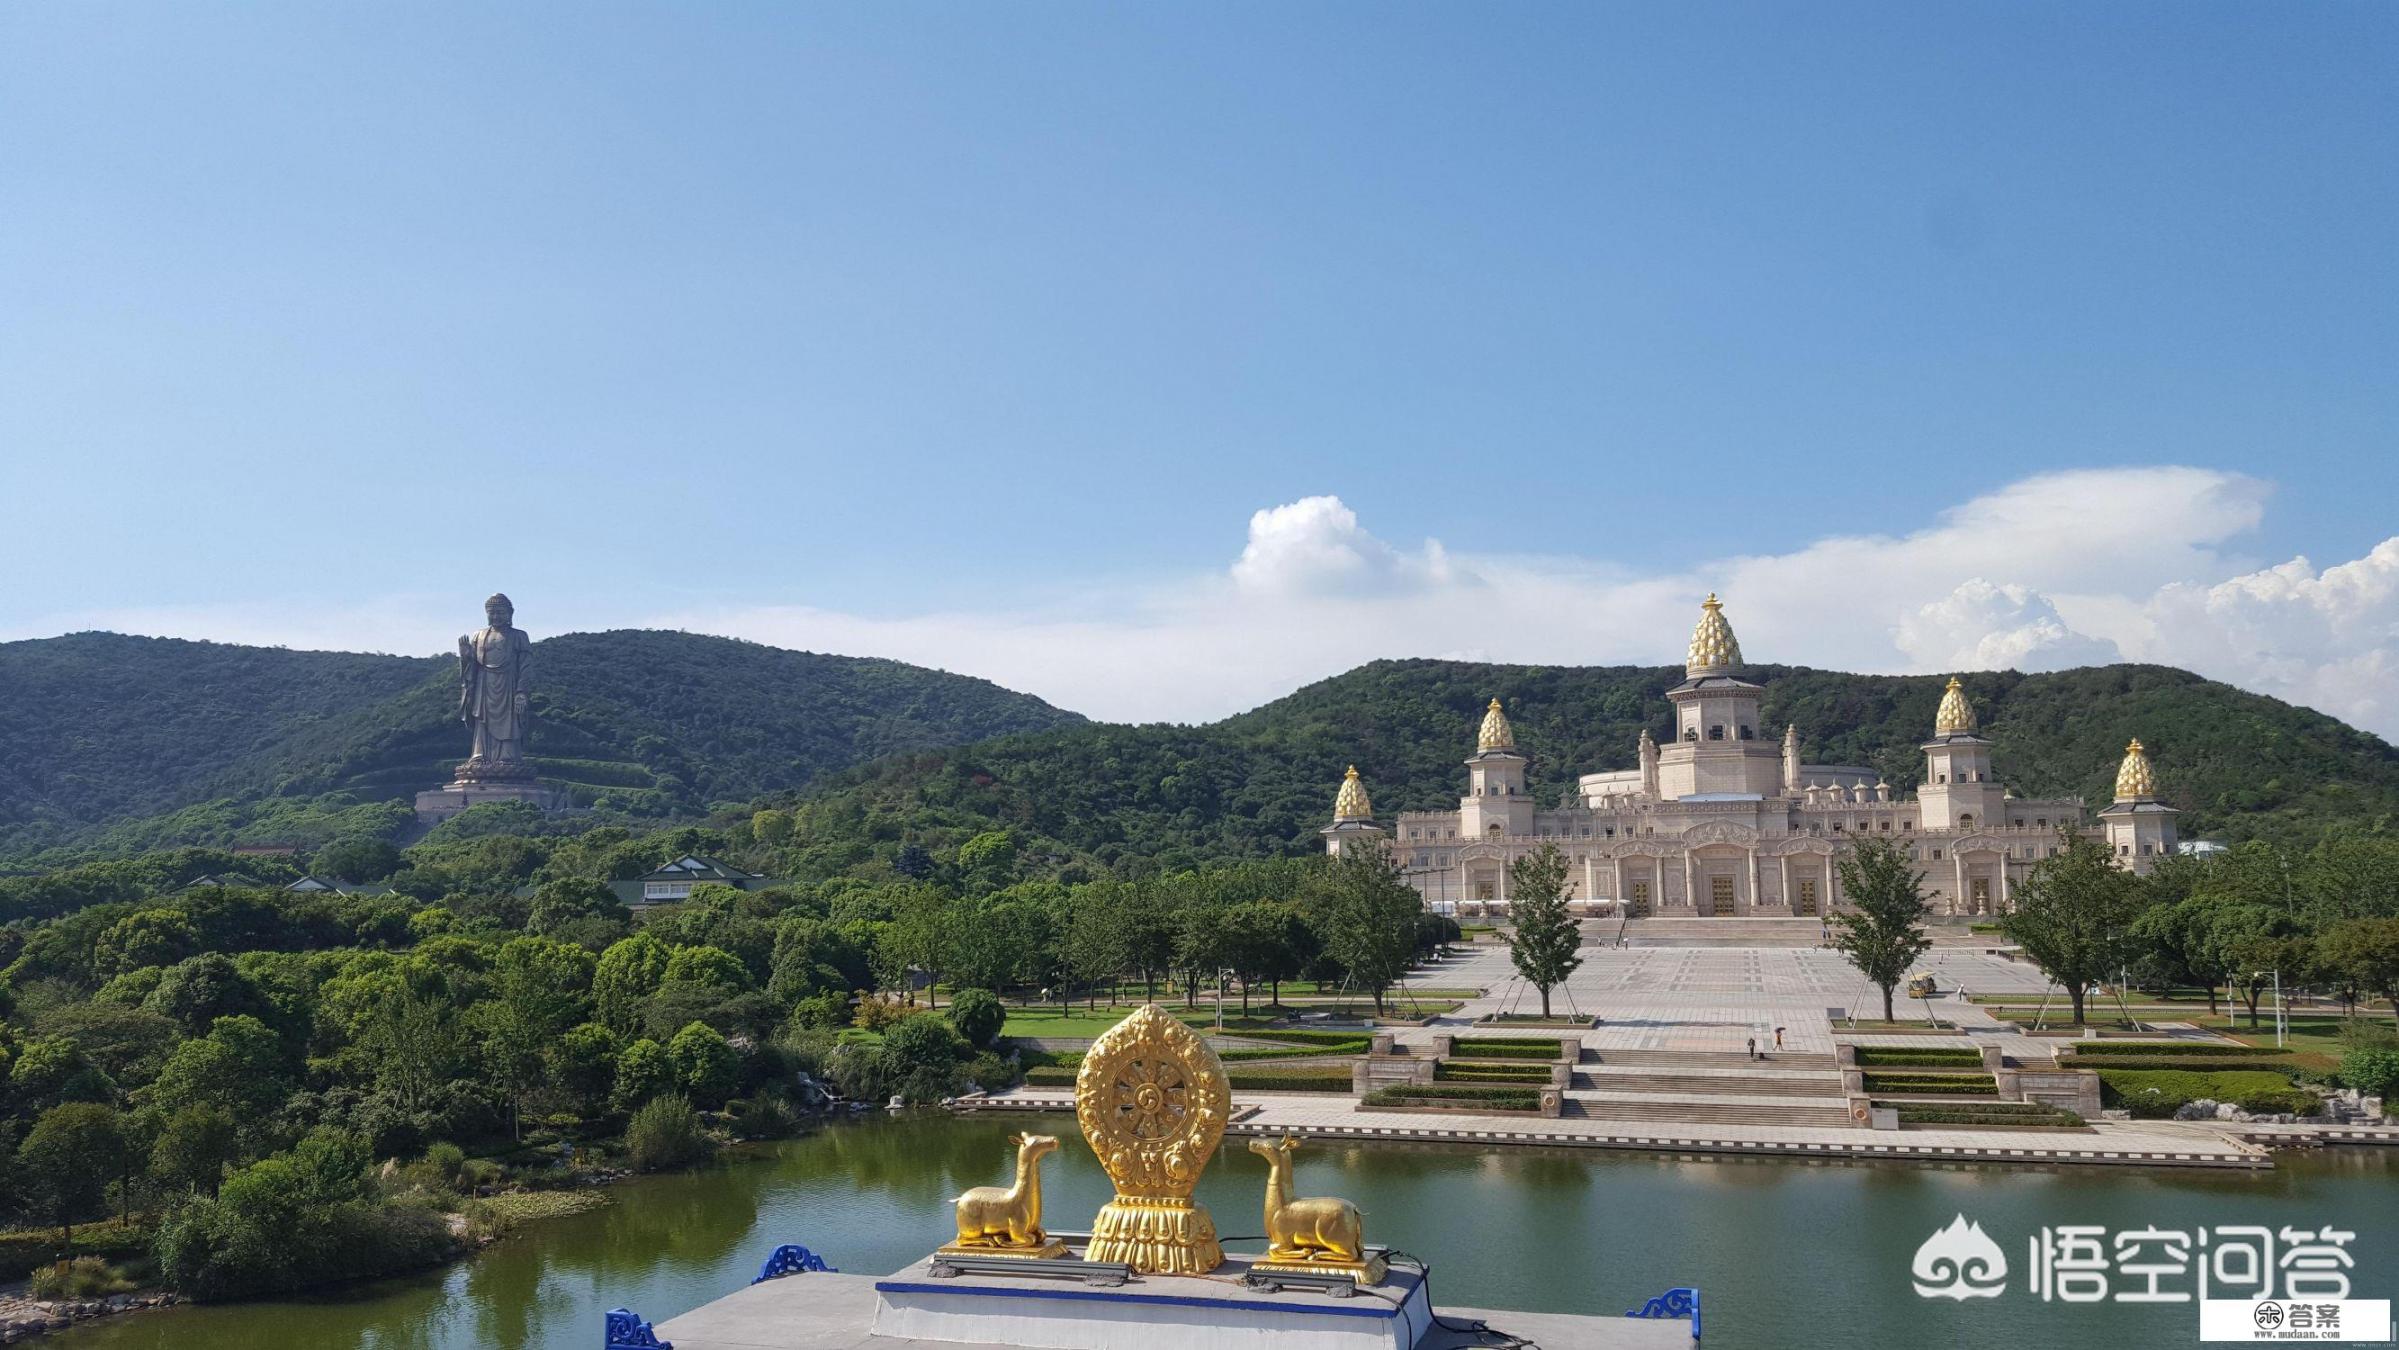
(1508, 1047)
(1447, 1072)
(1302, 1037)
(2184, 1064)
(1335, 1083)
(2177, 1049)
(1498, 1098)
(2159, 1093)
(1932, 1057)
(1964, 1084)
(1351, 1047)
(1931, 1113)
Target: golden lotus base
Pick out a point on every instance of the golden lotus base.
(1155, 1235)
(1049, 1250)
(1369, 1271)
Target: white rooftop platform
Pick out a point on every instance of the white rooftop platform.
(824, 1311)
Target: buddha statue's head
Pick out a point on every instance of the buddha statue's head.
(498, 612)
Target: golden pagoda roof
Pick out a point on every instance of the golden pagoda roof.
(1496, 733)
(1955, 716)
(1714, 649)
(1350, 803)
(2135, 780)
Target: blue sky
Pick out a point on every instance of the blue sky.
(979, 335)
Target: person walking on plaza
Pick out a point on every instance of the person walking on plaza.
(1753, 1047)
(1778, 1038)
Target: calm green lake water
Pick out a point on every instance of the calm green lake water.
(1784, 1253)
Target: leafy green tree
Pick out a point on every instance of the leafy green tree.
(67, 1160)
(989, 858)
(1881, 929)
(924, 1052)
(583, 1063)
(356, 860)
(2074, 917)
(627, 974)
(704, 1065)
(1365, 915)
(571, 904)
(236, 1069)
(978, 1016)
(150, 937)
(2254, 945)
(194, 1148)
(2178, 936)
(642, 1072)
(814, 956)
(1266, 942)
(2365, 951)
(416, 1044)
(1544, 939)
(771, 827)
(2372, 1070)
(200, 989)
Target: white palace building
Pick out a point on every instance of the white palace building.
(1725, 821)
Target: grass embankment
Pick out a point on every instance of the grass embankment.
(2159, 1093)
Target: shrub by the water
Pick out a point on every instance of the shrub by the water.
(2373, 1070)
(83, 1277)
(1505, 1047)
(978, 1016)
(293, 1221)
(2176, 1049)
(665, 1133)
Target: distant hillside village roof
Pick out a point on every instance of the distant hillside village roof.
(307, 885)
(675, 880)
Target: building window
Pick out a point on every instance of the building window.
(2041, 821)
(1936, 855)
(1716, 733)
(666, 890)
(1886, 827)
(1749, 733)
(1907, 827)
(1966, 820)
(1611, 832)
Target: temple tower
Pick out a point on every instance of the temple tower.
(1496, 803)
(2140, 828)
(1960, 792)
(1353, 815)
(1717, 751)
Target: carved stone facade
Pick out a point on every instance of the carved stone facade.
(1726, 819)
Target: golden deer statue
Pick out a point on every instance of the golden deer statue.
(1007, 1219)
(1320, 1230)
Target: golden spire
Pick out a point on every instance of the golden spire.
(1350, 803)
(1955, 716)
(1714, 649)
(2134, 779)
(1496, 733)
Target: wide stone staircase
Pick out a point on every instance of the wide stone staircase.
(1709, 1088)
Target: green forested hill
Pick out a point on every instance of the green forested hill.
(120, 743)
(1259, 784)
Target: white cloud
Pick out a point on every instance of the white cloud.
(2056, 570)
(1315, 546)
(1980, 626)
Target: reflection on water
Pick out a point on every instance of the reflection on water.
(1784, 1252)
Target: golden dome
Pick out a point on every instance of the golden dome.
(1955, 716)
(2134, 778)
(1714, 649)
(1496, 733)
(1351, 803)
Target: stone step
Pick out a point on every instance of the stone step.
(1710, 1113)
(1714, 1059)
(1725, 1084)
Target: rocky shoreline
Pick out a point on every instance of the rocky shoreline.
(22, 1318)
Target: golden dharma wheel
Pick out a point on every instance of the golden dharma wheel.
(1152, 1099)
